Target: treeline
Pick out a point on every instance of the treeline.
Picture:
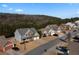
(10, 22)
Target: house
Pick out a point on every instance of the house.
(26, 33)
(62, 28)
(71, 25)
(77, 23)
(5, 44)
(49, 30)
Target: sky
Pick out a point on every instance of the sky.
(62, 10)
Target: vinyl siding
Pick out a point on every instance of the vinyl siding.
(17, 36)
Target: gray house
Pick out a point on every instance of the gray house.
(26, 33)
(49, 30)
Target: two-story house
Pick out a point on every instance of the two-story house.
(27, 34)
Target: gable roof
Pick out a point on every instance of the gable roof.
(3, 40)
(24, 31)
(53, 27)
(70, 24)
(77, 21)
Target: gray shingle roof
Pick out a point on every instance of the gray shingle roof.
(3, 40)
(53, 27)
(24, 31)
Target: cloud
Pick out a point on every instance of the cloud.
(19, 10)
(4, 5)
(10, 9)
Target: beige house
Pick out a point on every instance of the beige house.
(71, 25)
(49, 30)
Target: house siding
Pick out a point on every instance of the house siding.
(51, 32)
(17, 36)
(27, 34)
(35, 38)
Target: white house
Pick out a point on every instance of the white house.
(50, 30)
(71, 25)
(77, 23)
(26, 33)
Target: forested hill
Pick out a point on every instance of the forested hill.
(10, 22)
(7, 18)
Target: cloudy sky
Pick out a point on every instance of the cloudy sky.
(64, 10)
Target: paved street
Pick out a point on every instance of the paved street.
(53, 50)
(40, 49)
(74, 47)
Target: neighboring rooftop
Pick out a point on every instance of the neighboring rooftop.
(3, 40)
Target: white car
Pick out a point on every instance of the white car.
(62, 50)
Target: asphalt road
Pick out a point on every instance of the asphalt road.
(41, 49)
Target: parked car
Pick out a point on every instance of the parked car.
(62, 50)
(76, 38)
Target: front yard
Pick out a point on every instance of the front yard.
(30, 45)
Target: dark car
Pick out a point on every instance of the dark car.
(76, 38)
(62, 50)
(55, 34)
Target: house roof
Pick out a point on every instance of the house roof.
(3, 40)
(24, 31)
(70, 24)
(77, 21)
(53, 27)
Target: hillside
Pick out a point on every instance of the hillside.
(10, 22)
(7, 18)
